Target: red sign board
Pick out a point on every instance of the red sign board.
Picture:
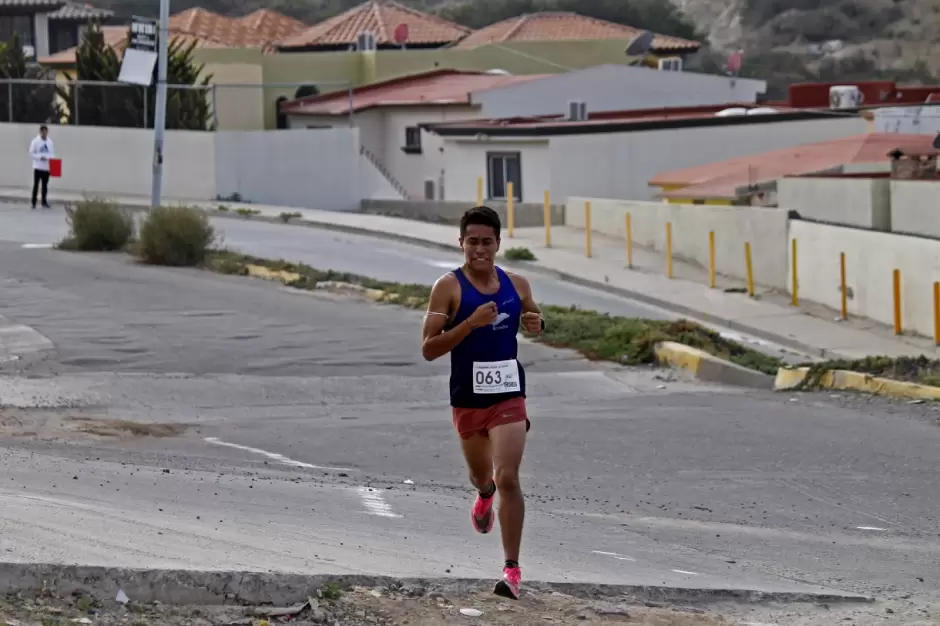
(735, 61)
(401, 34)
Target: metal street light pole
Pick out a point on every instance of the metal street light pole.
(159, 120)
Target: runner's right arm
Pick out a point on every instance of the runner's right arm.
(436, 342)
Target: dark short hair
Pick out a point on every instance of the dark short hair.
(481, 216)
(43, 127)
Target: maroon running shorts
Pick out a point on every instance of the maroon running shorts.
(470, 422)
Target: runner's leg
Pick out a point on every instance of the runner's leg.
(479, 457)
(508, 446)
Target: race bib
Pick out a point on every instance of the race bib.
(496, 377)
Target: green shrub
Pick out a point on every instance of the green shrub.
(177, 236)
(98, 224)
(519, 254)
(287, 217)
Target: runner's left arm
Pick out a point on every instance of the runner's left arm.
(532, 320)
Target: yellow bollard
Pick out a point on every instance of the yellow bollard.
(480, 191)
(587, 228)
(669, 249)
(796, 282)
(845, 290)
(897, 303)
(510, 210)
(711, 259)
(750, 269)
(548, 219)
(629, 241)
(936, 314)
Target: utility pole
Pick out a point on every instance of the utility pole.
(159, 120)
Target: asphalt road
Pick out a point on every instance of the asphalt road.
(293, 406)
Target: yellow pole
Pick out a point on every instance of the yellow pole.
(629, 241)
(510, 209)
(587, 228)
(750, 269)
(845, 291)
(711, 259)
(897, 302)
(936, 314)
(796, 281)
(669, 249)
(480, 191)
(548, 219)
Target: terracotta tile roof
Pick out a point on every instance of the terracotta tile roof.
(564, 26)
(271, 25)
(723, 179)
(80, 11)
(116, 37)
(381, 17)
(210, 30)
(32, 3)
(439, 87)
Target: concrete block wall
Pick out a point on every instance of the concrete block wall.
(765, 229)
(871, 258)
(318, 169)
(915, 207)
(527, 215)
(861, 202)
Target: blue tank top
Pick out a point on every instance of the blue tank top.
(484, 369)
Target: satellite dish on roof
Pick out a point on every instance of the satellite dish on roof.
(638, 47)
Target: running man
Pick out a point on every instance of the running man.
(474, 314)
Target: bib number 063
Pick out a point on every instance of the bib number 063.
(496, 377)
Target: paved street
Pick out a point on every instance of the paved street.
(308, 435)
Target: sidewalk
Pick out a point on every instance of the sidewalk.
(809, 329)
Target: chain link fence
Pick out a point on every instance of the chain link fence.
(189, 107)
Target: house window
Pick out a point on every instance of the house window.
(503, 168)
(63, 35)
(19, 24)
(412, 140)
(671, 64)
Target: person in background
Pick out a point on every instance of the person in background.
(40, 151)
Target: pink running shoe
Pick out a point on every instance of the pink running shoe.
(508, 587)
(481, 515)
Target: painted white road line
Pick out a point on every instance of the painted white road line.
(38, 246)
(870, 528)
(682, 571)
(614, 555)
(374, 502)
(280, 458)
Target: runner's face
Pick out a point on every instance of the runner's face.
(480, 245)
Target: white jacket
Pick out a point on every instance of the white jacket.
(39, 148)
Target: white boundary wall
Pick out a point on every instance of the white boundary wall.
(318, 169)
(765, 229)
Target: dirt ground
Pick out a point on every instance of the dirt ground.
(401, 605)
(357, 607)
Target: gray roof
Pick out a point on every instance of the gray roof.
(76, 11)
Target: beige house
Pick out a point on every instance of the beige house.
(389, 116)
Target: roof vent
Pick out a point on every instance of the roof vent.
(365, 42)
(577, 111)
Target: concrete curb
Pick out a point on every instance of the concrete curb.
(672, 307)
(709, 368)
(788, 379)
(186, 587)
